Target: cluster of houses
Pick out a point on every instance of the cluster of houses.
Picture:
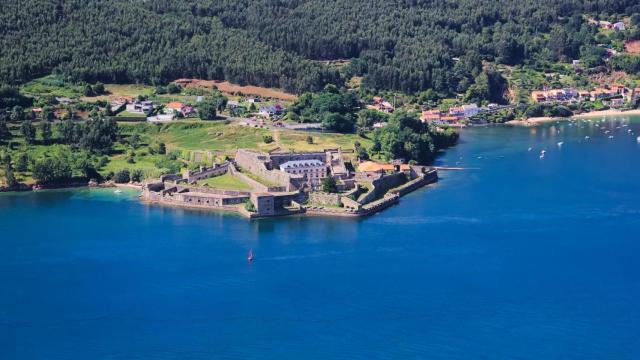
(615, 95)
(453, 116)
(607, 25)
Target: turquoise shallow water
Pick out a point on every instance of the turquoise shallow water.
(519, 257)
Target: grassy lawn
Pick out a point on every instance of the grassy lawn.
(129, 89)
(225, 182)
(262, 181)
(297, 141)
(130, 114)
(51, 85)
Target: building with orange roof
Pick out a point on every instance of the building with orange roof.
(430, 115)
(539, 96)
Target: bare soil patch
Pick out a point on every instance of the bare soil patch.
(229, 88)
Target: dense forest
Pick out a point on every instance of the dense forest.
(407, 45)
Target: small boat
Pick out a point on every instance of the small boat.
(529, 149)
(638, 139)
(250, 256)
(117, 191)
(542, 156)
(586, 138)
(560, 144)
(610, 136)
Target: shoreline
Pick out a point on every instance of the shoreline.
(534, 121)
(610, 112)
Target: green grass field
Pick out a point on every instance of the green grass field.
(225, 182)
(50, 85)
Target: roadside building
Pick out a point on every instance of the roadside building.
(538, 96)
(470, 110)
(619, 26)
(430, 116)
(140, 107)
(160, 118)
(174, 107)
(457, 111)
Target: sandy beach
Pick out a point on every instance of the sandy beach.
(533, 121)
(610, 112)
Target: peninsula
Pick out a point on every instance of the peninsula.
(284, 183)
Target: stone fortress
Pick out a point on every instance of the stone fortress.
(286, 183)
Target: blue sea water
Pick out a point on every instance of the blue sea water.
(516, 257)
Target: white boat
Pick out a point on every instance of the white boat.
(638, 139)
(560, 144)
(118, 191)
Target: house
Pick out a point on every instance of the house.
(616, 103)
(37, 111)
(605, 24)
(386, 107)
(584, 95)
(619, 89)
(188, 110)
(64, 100)
(379, 125)
(602, 93)
(430, 115)
(451, 120)
(174, 107)
(119, 102)
(575, 63)
(619, 26)
(61, 114)
(470, 110)
(140, 107)
(269, 111)
(538, 96)
(457, 111)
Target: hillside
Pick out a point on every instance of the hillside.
(409, 45)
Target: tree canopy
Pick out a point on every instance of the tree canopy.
(410, 45)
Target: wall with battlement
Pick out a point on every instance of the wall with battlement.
(382, 185)
(205, 173)
(255, 163)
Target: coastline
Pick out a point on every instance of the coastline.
(610, 112)
(534, 121)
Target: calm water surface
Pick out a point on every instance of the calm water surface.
(518, 257)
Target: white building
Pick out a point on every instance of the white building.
(140, 107)
(161, 118)
(313, 170)
(470, 110)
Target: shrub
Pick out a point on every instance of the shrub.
(122, 176)
(248, 205)
(137, 175)
(268, 139)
